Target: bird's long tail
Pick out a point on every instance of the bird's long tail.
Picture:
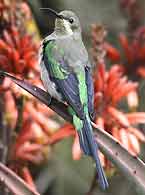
(90, 147)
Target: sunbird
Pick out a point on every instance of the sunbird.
(66, 75)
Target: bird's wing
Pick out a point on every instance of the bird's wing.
(90, 91)
(72, 86)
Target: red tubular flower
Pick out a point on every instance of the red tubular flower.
(17, 52)
(27, 177)
(34, 138)
(112, 52)
(29, 147)
(110, 87)
(131, 57)
(18, 55)
(133, 54)
(66, 131)
(43, 119)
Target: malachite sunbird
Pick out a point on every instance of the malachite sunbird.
(66, 75)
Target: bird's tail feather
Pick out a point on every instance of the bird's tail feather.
(90, 147)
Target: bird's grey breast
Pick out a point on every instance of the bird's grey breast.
(75, 53)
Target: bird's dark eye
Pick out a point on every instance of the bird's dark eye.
(71, 20)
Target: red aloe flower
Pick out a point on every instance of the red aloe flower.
(110, 88)
(133, 57)
(17, 52)
(26, 175)
(31, 142)
(18, 55)
(64, 132)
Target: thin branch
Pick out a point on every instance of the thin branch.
(14, 183)
(41, 95)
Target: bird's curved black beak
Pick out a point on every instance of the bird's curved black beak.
(56, 14)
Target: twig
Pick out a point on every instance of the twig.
(14, 183)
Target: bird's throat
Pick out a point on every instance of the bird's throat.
(63, 27)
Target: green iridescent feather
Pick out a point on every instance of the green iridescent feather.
(56, 67)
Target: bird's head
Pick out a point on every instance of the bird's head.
(66, 22)
(69, 22)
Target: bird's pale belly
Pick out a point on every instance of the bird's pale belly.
(48, 84)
